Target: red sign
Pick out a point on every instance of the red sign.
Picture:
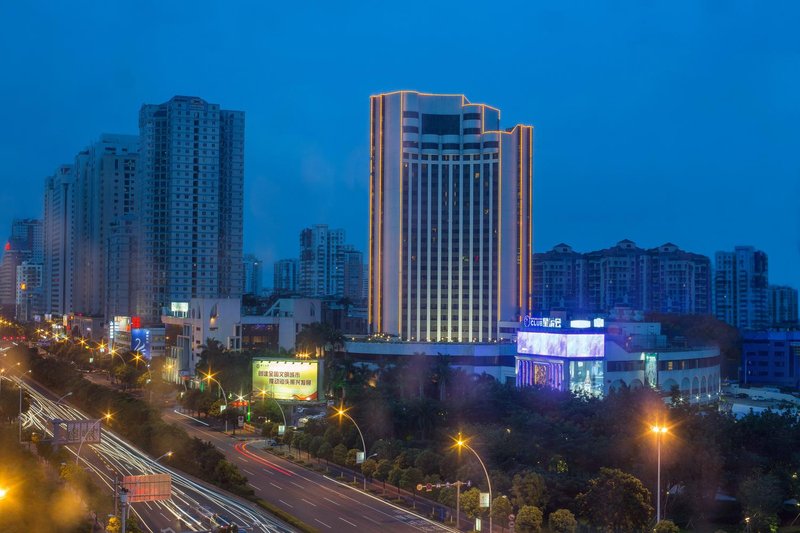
(148, 488)
(136, 322)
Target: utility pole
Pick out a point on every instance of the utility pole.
(123, 500)
(458, 505)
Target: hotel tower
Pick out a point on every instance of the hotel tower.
(451, 226)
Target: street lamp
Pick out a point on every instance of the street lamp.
(263, 393)
(59, 400)
(341, 412)
(210, 377)
(3, 493)
(168, 454)
(659, 431)
(462, 443)
(106, 417)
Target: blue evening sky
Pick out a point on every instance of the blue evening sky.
(655, 121)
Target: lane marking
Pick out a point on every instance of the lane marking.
(289, 505)
(333, 502)
(323, 523)
(190, 417)
(347, 522)
(276, 486)
(308, 502)
(257, 488)
(247, 471)
(371, 519)
(298, 485)
(270, 472)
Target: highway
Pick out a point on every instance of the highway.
(191, 499)
(316, 499)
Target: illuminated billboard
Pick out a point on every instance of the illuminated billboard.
(140, 342)
(286, 379)
(561, 344)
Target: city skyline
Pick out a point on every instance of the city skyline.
(701, 117)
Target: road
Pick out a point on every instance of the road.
(190, 498)
(316, 499)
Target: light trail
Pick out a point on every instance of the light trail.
(189, 497)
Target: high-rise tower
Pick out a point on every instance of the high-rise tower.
(191, 177)
(451, 226)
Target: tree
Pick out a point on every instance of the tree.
(616, 501)
(761, 499)
(529, 519)
(471, 503)
(340, 454)
(369, 467)
(382, 470)
(529, 488)
(501, 508)
(409, 480)
(666, 526)
(325, 451)
(562, 521)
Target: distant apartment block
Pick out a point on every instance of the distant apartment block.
(782, 304)
(322, 269)
(253, 268)
(191, 178)
(771, 358)
(284, 276)
(664, 279)
(741, 288)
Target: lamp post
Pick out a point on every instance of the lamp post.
(659, 431)
(210, 377)
(343, 413)
(107, 417)
(168, 454)
(263, 393)
(462, 443)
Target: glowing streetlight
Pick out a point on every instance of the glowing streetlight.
(659, 431)
(168, 454)
(341, 412)
(460, 443)
(209, 377)
(3, 493)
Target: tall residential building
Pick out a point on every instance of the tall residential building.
(320, 271)
(740, 288)
(782, 304)
(60, 237)
(665, 279)
(451, 226)
(190, 178)
(105, 174)
(29, 291)
(252, 275)
(285, 276)
(352, 275)
(25, 245)
(559, 279)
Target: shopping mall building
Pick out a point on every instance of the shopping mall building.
(595, 357)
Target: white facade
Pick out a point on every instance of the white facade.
(60, 236)
(195, 323)
(290, 315)
(190, 178)
(451, 227)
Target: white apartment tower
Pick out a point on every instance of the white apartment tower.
(741, 288)
(105, 174)
(59, 240)
(191, 178)
(451, 226)
(320, 268)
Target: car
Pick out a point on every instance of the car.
(270, 442)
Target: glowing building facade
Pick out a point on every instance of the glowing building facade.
(450, 218)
